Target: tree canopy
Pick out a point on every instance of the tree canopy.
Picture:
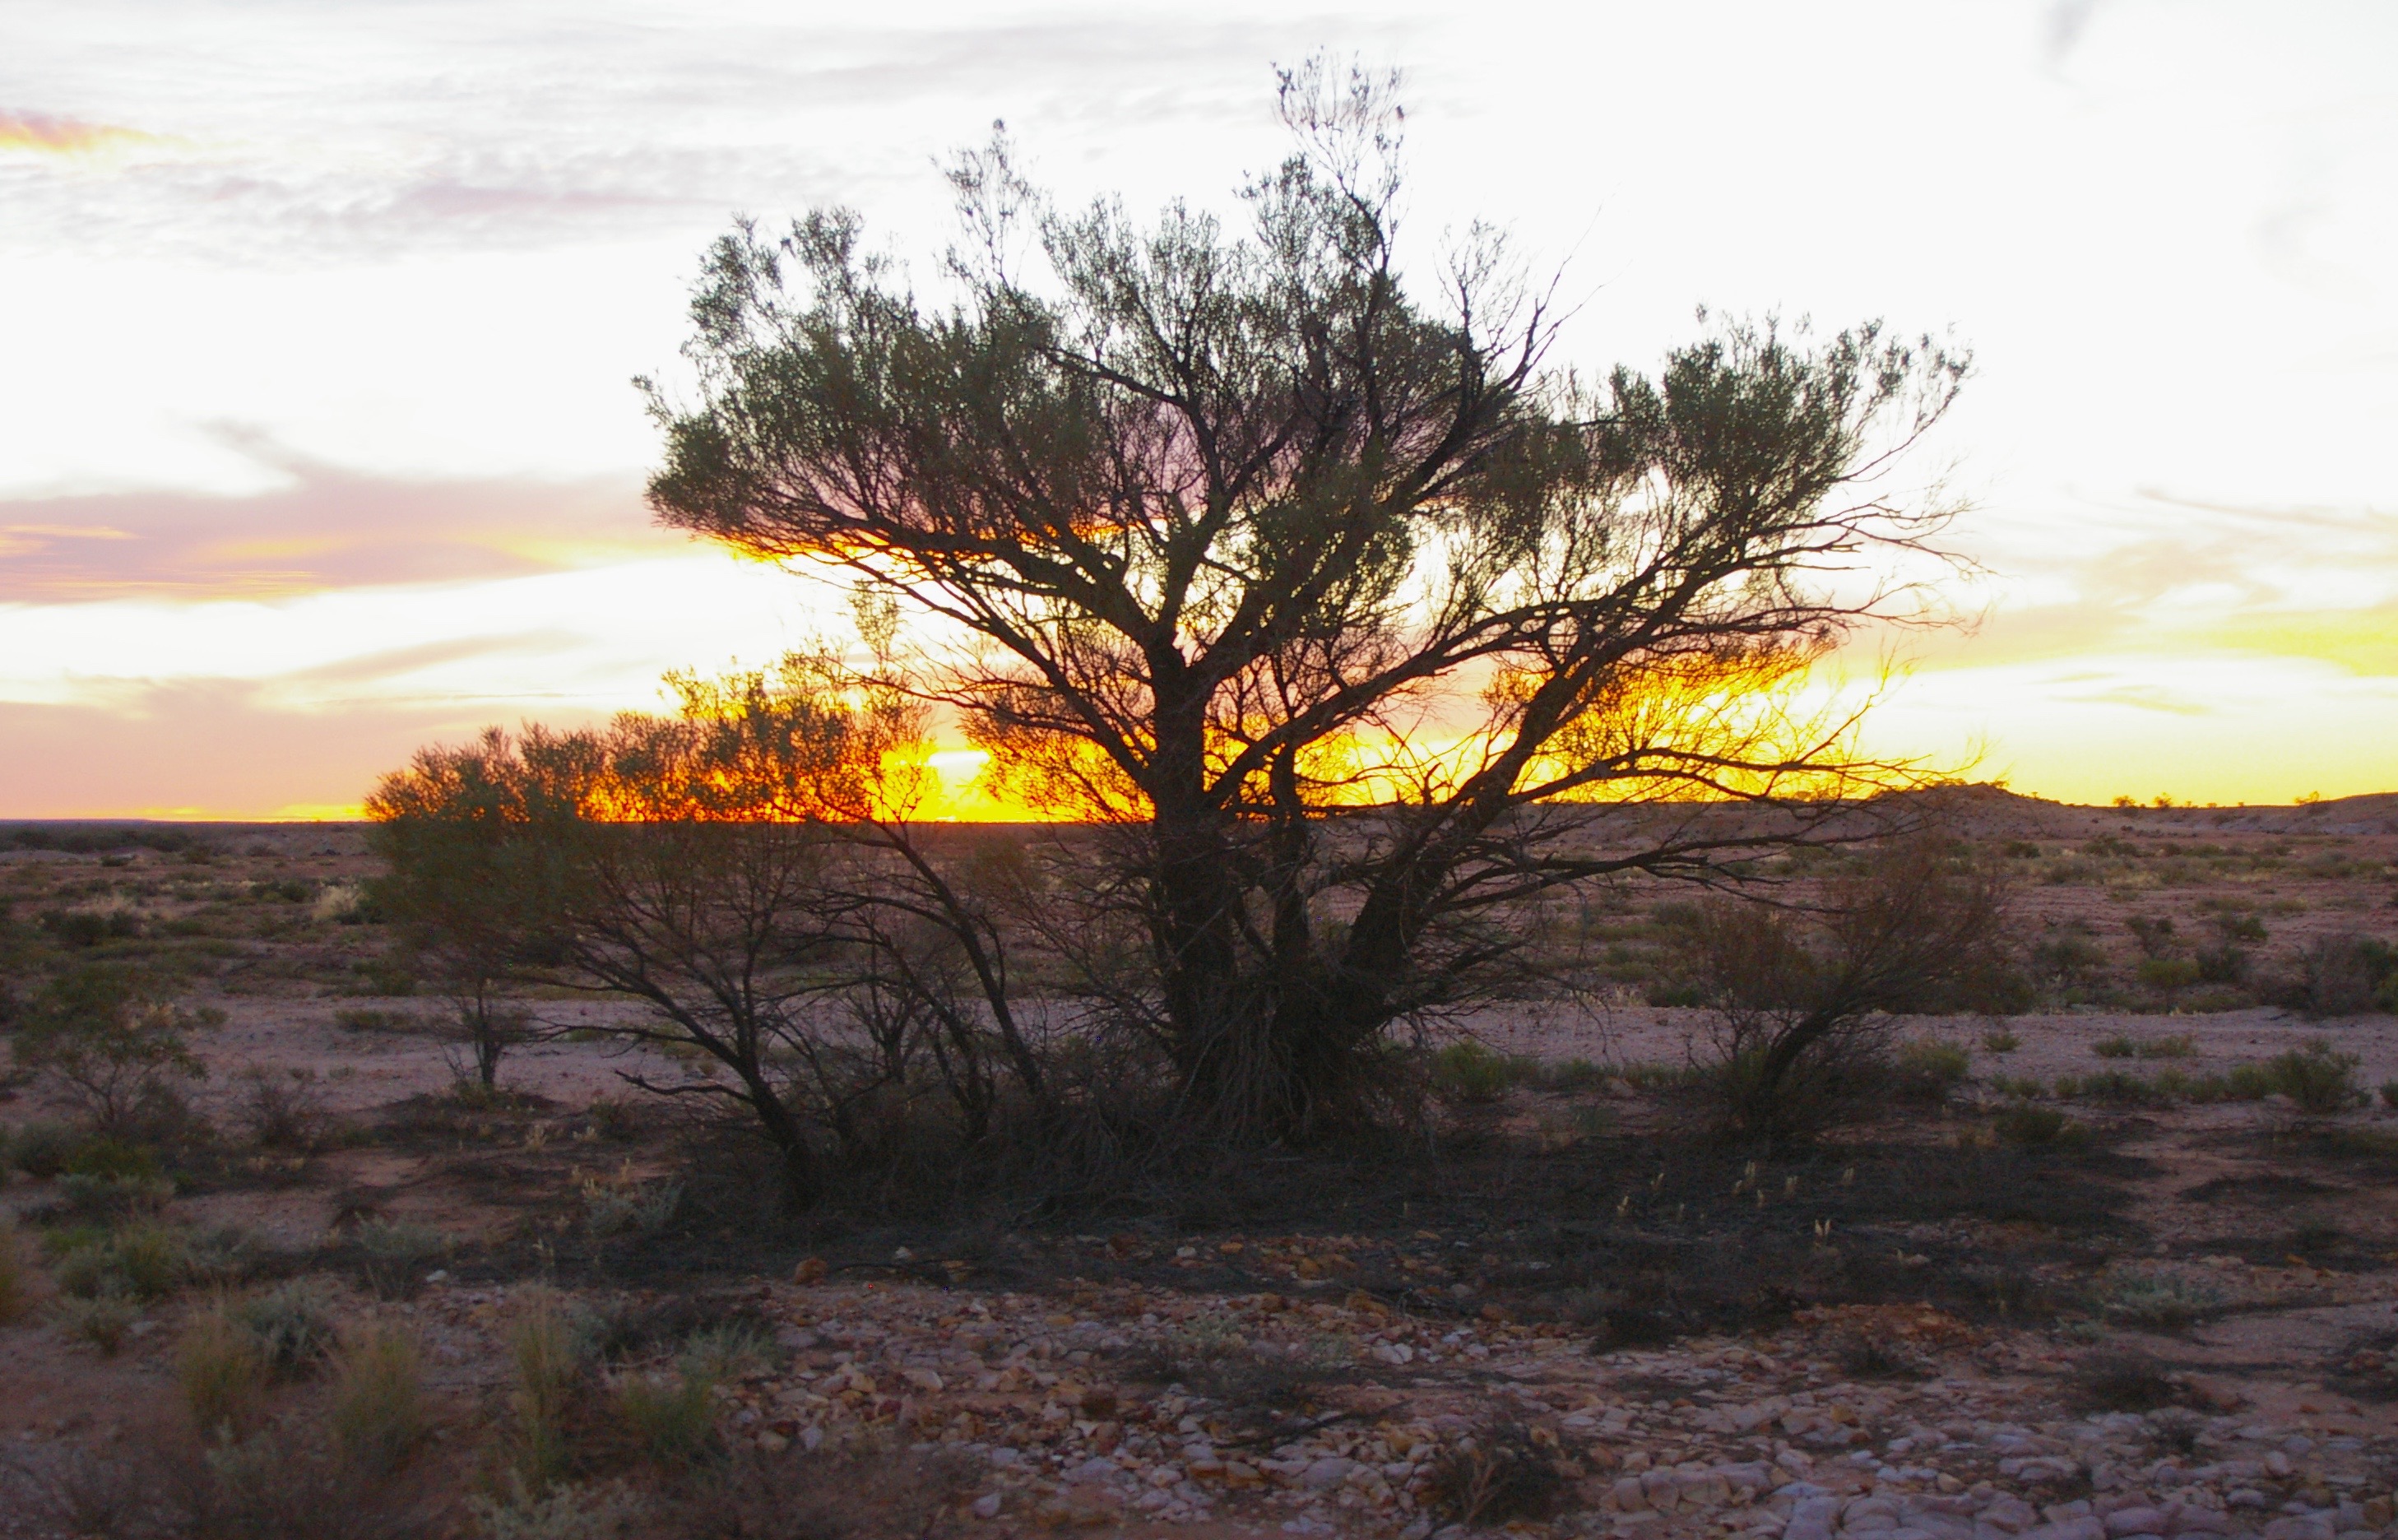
(1318, 577)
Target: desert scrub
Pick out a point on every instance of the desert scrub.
(392, 1254)
(626, 1206)
(2389, 1094)
(2000, 1040)
(293, 1324)
(2037, 1126)
(672, 1415)
(14, 1282)
(143, 1263)
(1932, 1064)
(2121, 1046)
(555, 1513)
(379, 1413)
(221, 1372)
(2316, 1079)
(1468, 1071)
(549, 1352)
(103, 1322)
(728, 1352)
(2163, 1301)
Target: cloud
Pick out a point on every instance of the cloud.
(480, 131)
(39, 133)
(327, 527)
(204, 749)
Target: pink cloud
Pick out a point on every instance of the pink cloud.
(327, 528)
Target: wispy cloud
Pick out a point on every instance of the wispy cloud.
(326, 527)
(43, 134)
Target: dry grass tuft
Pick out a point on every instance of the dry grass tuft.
(379, 1413)
(551, 1357)
(221, 1372)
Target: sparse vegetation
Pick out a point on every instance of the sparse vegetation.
(379, 1412)
(222, 1371)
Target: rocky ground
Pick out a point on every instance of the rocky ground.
(2178, 1317)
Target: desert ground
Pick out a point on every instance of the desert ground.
(2114, 1274)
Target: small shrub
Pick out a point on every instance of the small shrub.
(1496, 1476)
(1468, 1071)
(2168, 1303)
(1572, 1074)
(2000, 1040)
(673, 1415)
(626, 1208)
(2348, 974)
(42, 1150)
(549, 1353)
(2037, 1126)
(556, 1513)
(293, 1324)
(221, 1371)
(114, 1159)
(143, 1263)
(2316, 1078)
(2022, 1087)
(2123, 1046)
(2116, 1087)
(1931, 1065)
(104, 1322)
(2168, 973)
(2389, 1094)
(105, 1038)
(728, 1351)
(284, 1111)
(379, 1413)
(393, 1253)
(13, 1291)
(2119, 1382)
(2070, 958)
(2247, 1083)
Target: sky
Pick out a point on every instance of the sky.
(318, 441)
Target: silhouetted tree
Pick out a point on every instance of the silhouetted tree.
(738, 870)
(1807, 997)
(1319, 584)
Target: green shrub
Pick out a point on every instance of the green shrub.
(42, 1150)
(1468, 1071)
(2000, 1040)
(2022, 1087)
(2168, 1303)
(2116, 1087)
(2036, 1126)
(2120, 1046)
(2389, 1094)
(2317, 1079)
(111, 1158)
(728, 1351)
(293, 1324)
(1572, 1074)
(2348, 974)
(1934, 1062)
(104, 1322)
(555, 1513)
(674, 1417)
(141, 1263)
(392, 1254)
(2247, 1083)
(2168, 972)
